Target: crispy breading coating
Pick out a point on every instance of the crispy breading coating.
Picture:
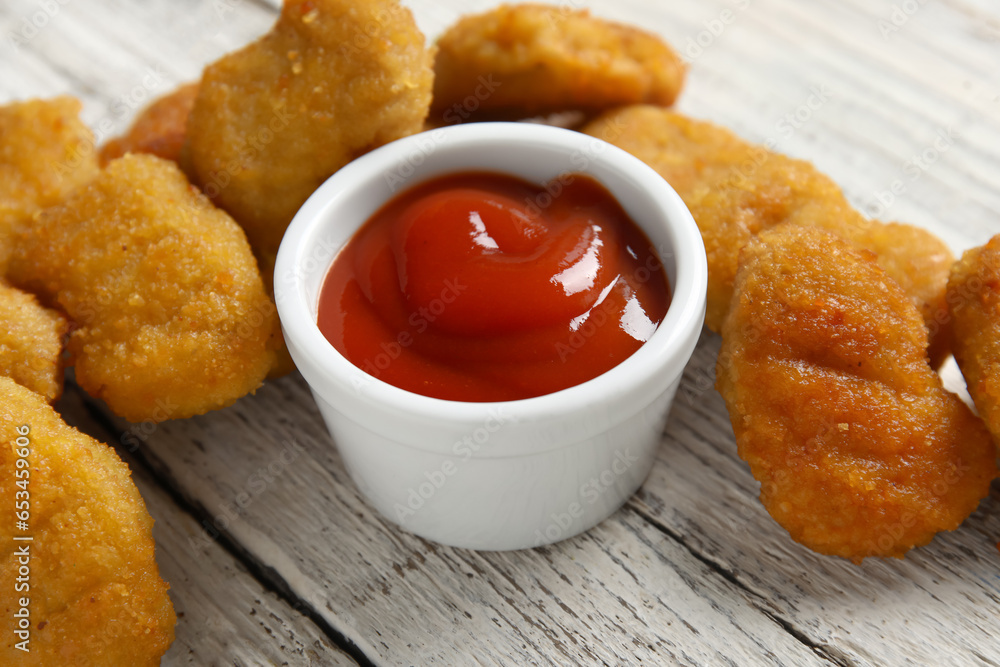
(171, 316)
(159, 129)
(974, 298)
(534, 58)
(332, 80)
(45, 154)
(31, 342)
(920, 263)
(735, 190)
(94, 592)
(859, 449)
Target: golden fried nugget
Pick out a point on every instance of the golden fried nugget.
(331, 81)
(974, 297)
(45, 154)
(859, 449)
(159, 129)
(31, 342)
(920, 263)
(92, 592)
(540, 59)
(171, 317)
(735, 190)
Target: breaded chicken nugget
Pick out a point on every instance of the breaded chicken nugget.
(735, 190)
(45, 154)
(859, 449)
(331, 81)
(31, 342)
(974, 297)
(159, 129)
(540, 59)
(171, 317)
(920, 263)
(86, 582)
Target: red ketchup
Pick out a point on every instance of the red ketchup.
(480, 286)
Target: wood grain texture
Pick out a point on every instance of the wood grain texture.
(692, 570)
(625, 591)
(224, 615)
(938, 606)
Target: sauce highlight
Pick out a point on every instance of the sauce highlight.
(478, 286)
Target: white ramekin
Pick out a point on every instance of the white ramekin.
(504, 475)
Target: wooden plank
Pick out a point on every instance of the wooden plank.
(117, 56)
(695, 520)
(938, 606)
(266, 474)
(224, 615)
(693, 570)
(888, 99)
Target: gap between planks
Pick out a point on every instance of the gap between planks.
(261, 572)
(820, 650)
(273, 581)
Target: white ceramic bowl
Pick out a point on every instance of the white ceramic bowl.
(504, 475)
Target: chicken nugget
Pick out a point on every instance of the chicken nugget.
(78, 560)
(532, 59)
(974, 298)
(735, 190)
(332, 80)
(159, 129)
(919, 262)
(171, 316)
(31, 340)
(45, 154)
(859, 449)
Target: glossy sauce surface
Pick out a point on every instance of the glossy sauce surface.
(478, 286)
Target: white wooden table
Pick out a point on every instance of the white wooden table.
(274, 558)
